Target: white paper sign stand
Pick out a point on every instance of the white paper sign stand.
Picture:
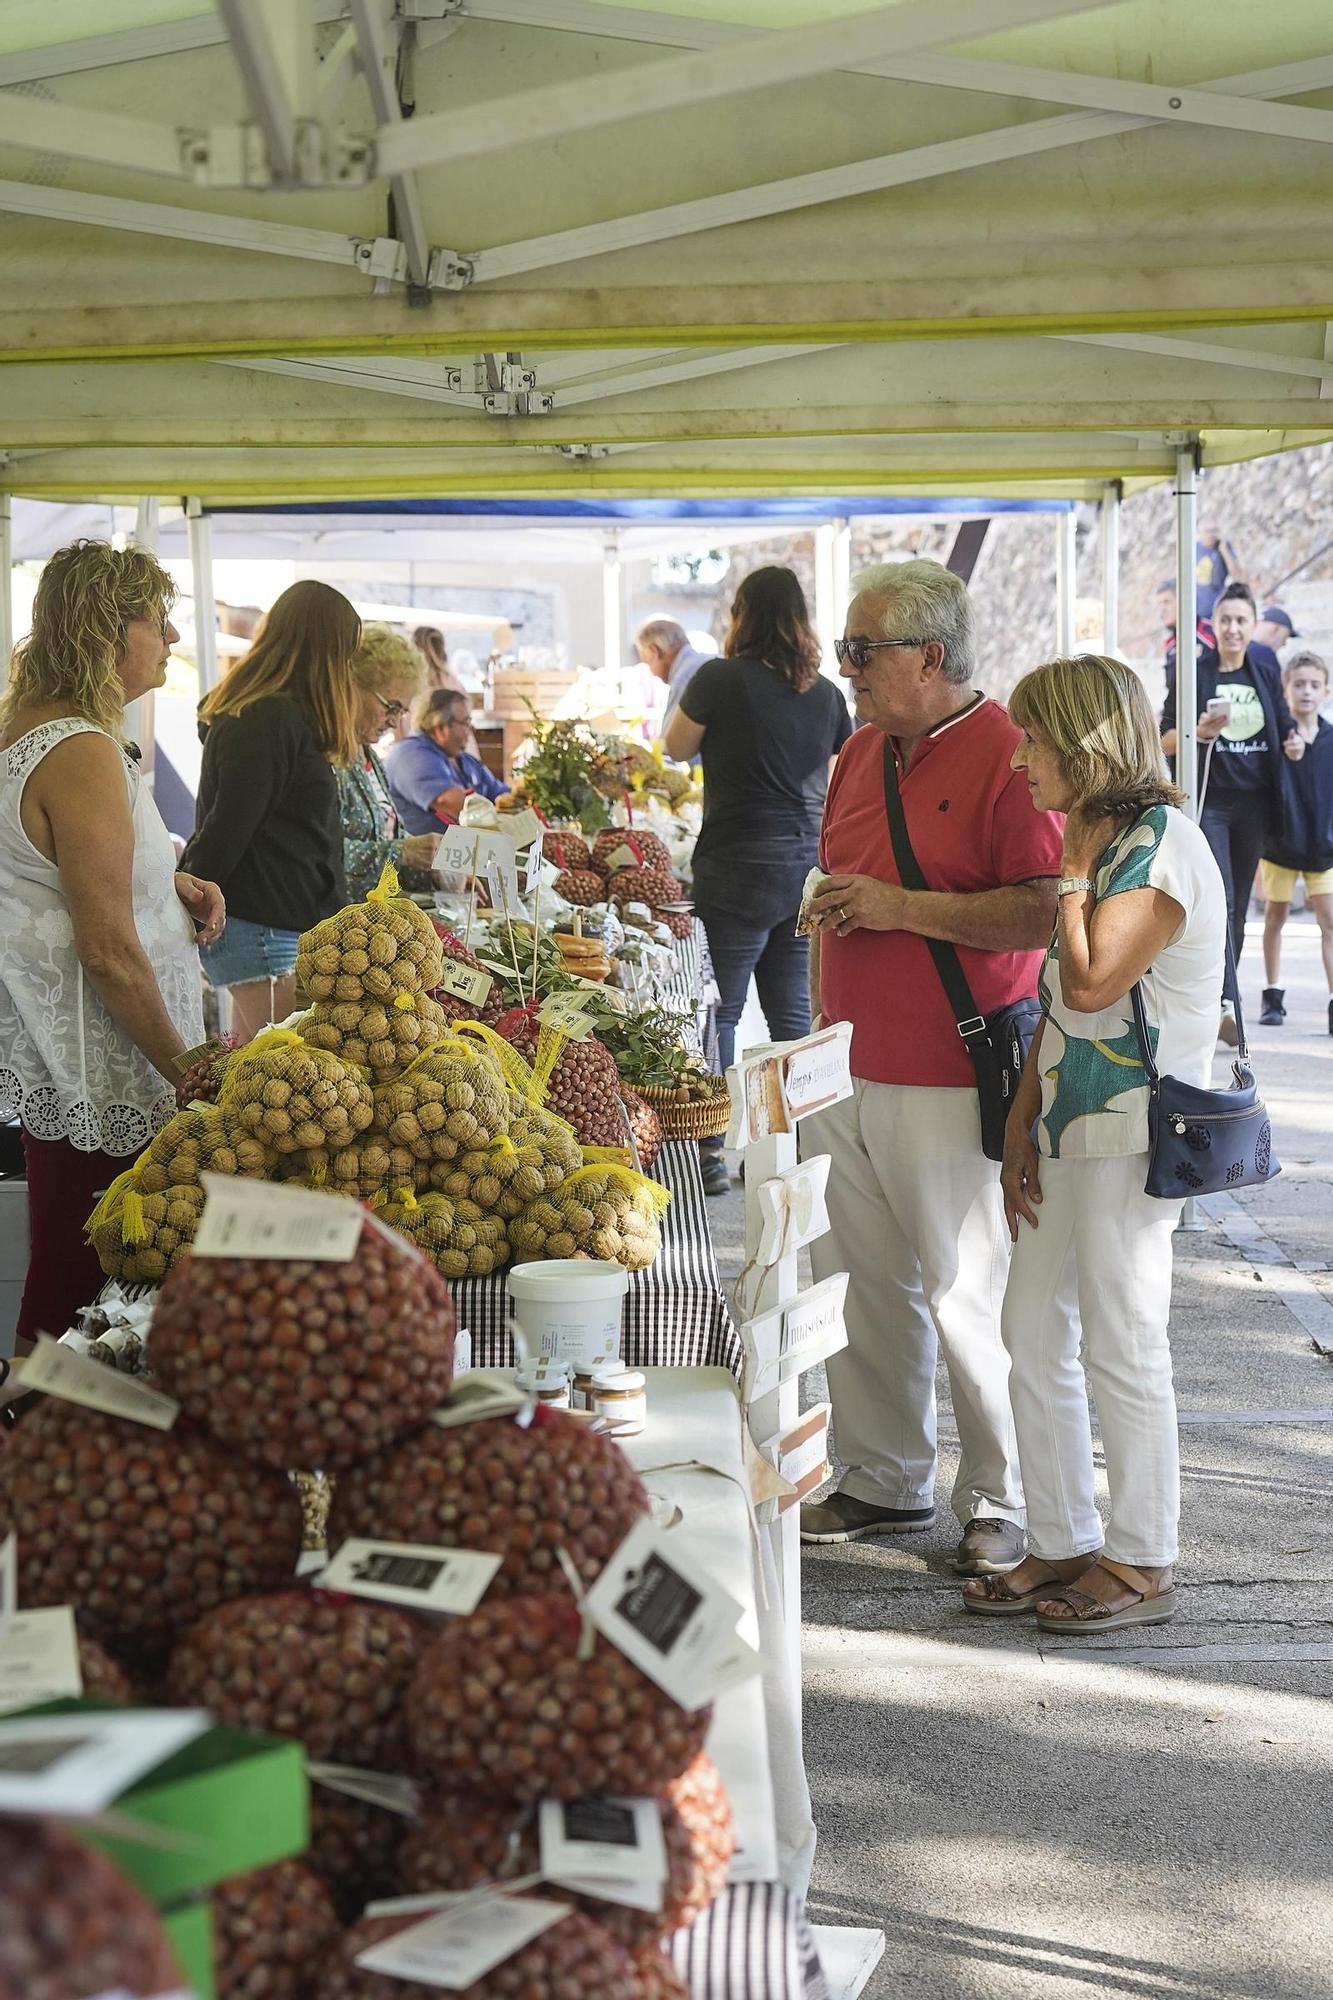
(785, 1332)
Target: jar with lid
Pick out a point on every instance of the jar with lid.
(620, 1399)
(584, 1378)
(548, 1381)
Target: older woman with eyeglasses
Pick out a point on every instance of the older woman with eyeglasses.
(389, 673)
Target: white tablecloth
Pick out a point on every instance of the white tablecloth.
(691, 1452)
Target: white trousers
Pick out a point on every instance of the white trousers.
(1101, 1253)
(918, 1224)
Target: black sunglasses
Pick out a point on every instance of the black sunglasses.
(858, 650)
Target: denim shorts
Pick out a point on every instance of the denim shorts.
(247, 952)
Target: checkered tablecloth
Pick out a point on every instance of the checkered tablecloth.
(675, 1312)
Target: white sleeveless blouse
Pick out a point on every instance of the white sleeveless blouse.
(66, 1070)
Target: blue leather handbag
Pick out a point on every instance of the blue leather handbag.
(1205, 1141)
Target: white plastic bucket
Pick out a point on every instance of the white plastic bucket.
(570, 1308)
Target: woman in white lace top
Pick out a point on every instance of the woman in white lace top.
(99, 932)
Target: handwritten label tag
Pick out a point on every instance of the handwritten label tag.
(473, 1398)
(670, 1617)
(458, 1946)
(792, 1210)
(623, 856)
(75, 1765)
(465, 982)
(523, 827)
(448, 1582)
(609, 995)
(817, 1071)
(258, 1219)
(571, 1013)
(59, 1371)
(465, 850)
(607, 1847)
(374, 1788)
(785, 1342)
(39, 1658)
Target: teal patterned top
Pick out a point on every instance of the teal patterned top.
(370, 825)
(1094, 1089)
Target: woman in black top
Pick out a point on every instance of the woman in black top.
(767, 726)
(267, 823)
(1302, 842)
(1243, 714)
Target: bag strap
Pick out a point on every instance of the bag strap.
(971, 1024)
(1231, 991)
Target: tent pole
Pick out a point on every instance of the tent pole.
(1065, 529)
(1110, 511)
(205, 602)
(139, 715)
(146, 524)
(1187, 680)
(1187, 611)
(613, 606)
(6, 586)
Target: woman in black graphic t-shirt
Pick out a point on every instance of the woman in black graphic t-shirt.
(1249, 728)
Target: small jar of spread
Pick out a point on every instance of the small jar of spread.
(584, 1378)
(620, 1399)
(548, 1382)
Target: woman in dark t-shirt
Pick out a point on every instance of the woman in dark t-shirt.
(767, 725)
(1243, 715)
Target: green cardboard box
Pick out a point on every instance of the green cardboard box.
(245, 1802)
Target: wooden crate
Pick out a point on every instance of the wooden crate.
(512, 689)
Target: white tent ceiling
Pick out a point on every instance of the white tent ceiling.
(1013, 245)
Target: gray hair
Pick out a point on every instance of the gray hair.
(437, 705)
(926, 601)
(663, 633)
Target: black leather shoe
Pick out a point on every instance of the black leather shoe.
(1272, 1012)
(716, 1179)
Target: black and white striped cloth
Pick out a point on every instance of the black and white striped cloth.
(755, 1943)
(675, 1312)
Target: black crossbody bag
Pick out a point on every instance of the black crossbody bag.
(1205, 1141)
(998, 1043)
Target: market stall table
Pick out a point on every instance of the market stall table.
(675, 1311)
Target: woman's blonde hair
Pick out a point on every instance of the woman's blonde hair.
(303, 649)
(385, 663)
(86, 596)
(1096, 715)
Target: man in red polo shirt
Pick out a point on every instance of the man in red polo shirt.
(917, 1219)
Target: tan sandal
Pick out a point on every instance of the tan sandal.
(995, 1596)
(1155, 1604)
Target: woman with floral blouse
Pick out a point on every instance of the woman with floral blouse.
(389, 672)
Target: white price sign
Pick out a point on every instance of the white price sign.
(785, 1342)
(459, 1945)
(671, 1618)
(256, 1219)
(448, 1582)
(774, 1087)
(39, 1658)
(523, 827)
(468, 850)
(74, 1765)
(466, 982)
(58, 1371)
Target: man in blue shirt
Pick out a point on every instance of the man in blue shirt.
(665, 650)
(431, 772)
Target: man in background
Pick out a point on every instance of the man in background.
(665, 650)
(431, 772)
(1274, 628)
(1216, 564)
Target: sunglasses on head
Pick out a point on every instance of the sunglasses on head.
(858, 651)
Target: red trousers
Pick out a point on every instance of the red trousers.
(63, 1271)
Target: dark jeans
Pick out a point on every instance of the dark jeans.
(1235, 825)
(779, 962)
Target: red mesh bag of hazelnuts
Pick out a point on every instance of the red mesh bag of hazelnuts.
(305, 1363)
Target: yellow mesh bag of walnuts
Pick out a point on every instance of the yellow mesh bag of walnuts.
(292, 1097)
(604, 1210)
(372, 950)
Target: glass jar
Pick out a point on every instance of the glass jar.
(620, 1399)
(586, 1378)
(549, 1383)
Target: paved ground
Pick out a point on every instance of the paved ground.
(1148, 1814)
